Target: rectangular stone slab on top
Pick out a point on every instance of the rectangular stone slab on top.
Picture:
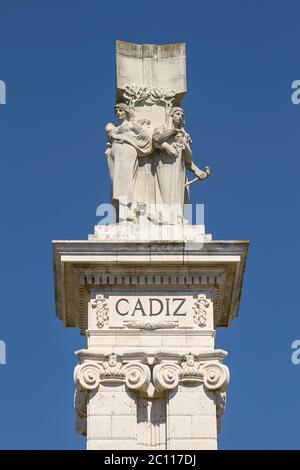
(82, 266)
(151, 79)
(157, 66)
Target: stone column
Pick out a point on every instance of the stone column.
(105, 388)
(150, 376)
(150, 291)
(193, 406)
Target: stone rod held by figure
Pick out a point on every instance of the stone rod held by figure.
(206, 174)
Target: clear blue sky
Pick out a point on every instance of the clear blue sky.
(57, 59)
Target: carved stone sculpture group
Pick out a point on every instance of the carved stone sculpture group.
(147, 163)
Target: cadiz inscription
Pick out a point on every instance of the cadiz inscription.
(150, 310)
(152, 307)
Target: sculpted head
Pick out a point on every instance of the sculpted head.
(110, 127)
(177, 115)
(122, 112)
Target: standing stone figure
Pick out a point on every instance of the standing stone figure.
(172, 158)
(126, 143)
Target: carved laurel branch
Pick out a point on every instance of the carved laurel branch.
(135, 93)
(101, 305)
(143, 325)
(200, 306)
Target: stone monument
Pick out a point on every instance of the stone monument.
(149, 290)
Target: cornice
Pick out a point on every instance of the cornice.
(83, 266)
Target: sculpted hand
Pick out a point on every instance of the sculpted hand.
(207, 170)
(116, 138)
(203, 174)
(171, 151)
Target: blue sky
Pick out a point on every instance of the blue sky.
(57, 60)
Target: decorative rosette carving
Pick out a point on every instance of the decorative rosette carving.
(216, 376)
(200, 306)
(101, 305)
(87, 375)
(137, 376)
(166, 376)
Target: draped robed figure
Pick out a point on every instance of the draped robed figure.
(126, 143)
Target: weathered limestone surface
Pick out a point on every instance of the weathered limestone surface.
(155, 66)
(148, 150)
(150, 377)
(149, 290)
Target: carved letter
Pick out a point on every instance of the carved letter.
(176, 312)
(139, 306)
(168, 307)
(117, 307)
(151, 307)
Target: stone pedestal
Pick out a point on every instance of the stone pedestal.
(150, 377)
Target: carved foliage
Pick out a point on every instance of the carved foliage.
(190, 370)
(112, 369)
(200, 307)
(101, 305)
(135, 375)
(147, 325)
(166, 376)
(134, 94)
